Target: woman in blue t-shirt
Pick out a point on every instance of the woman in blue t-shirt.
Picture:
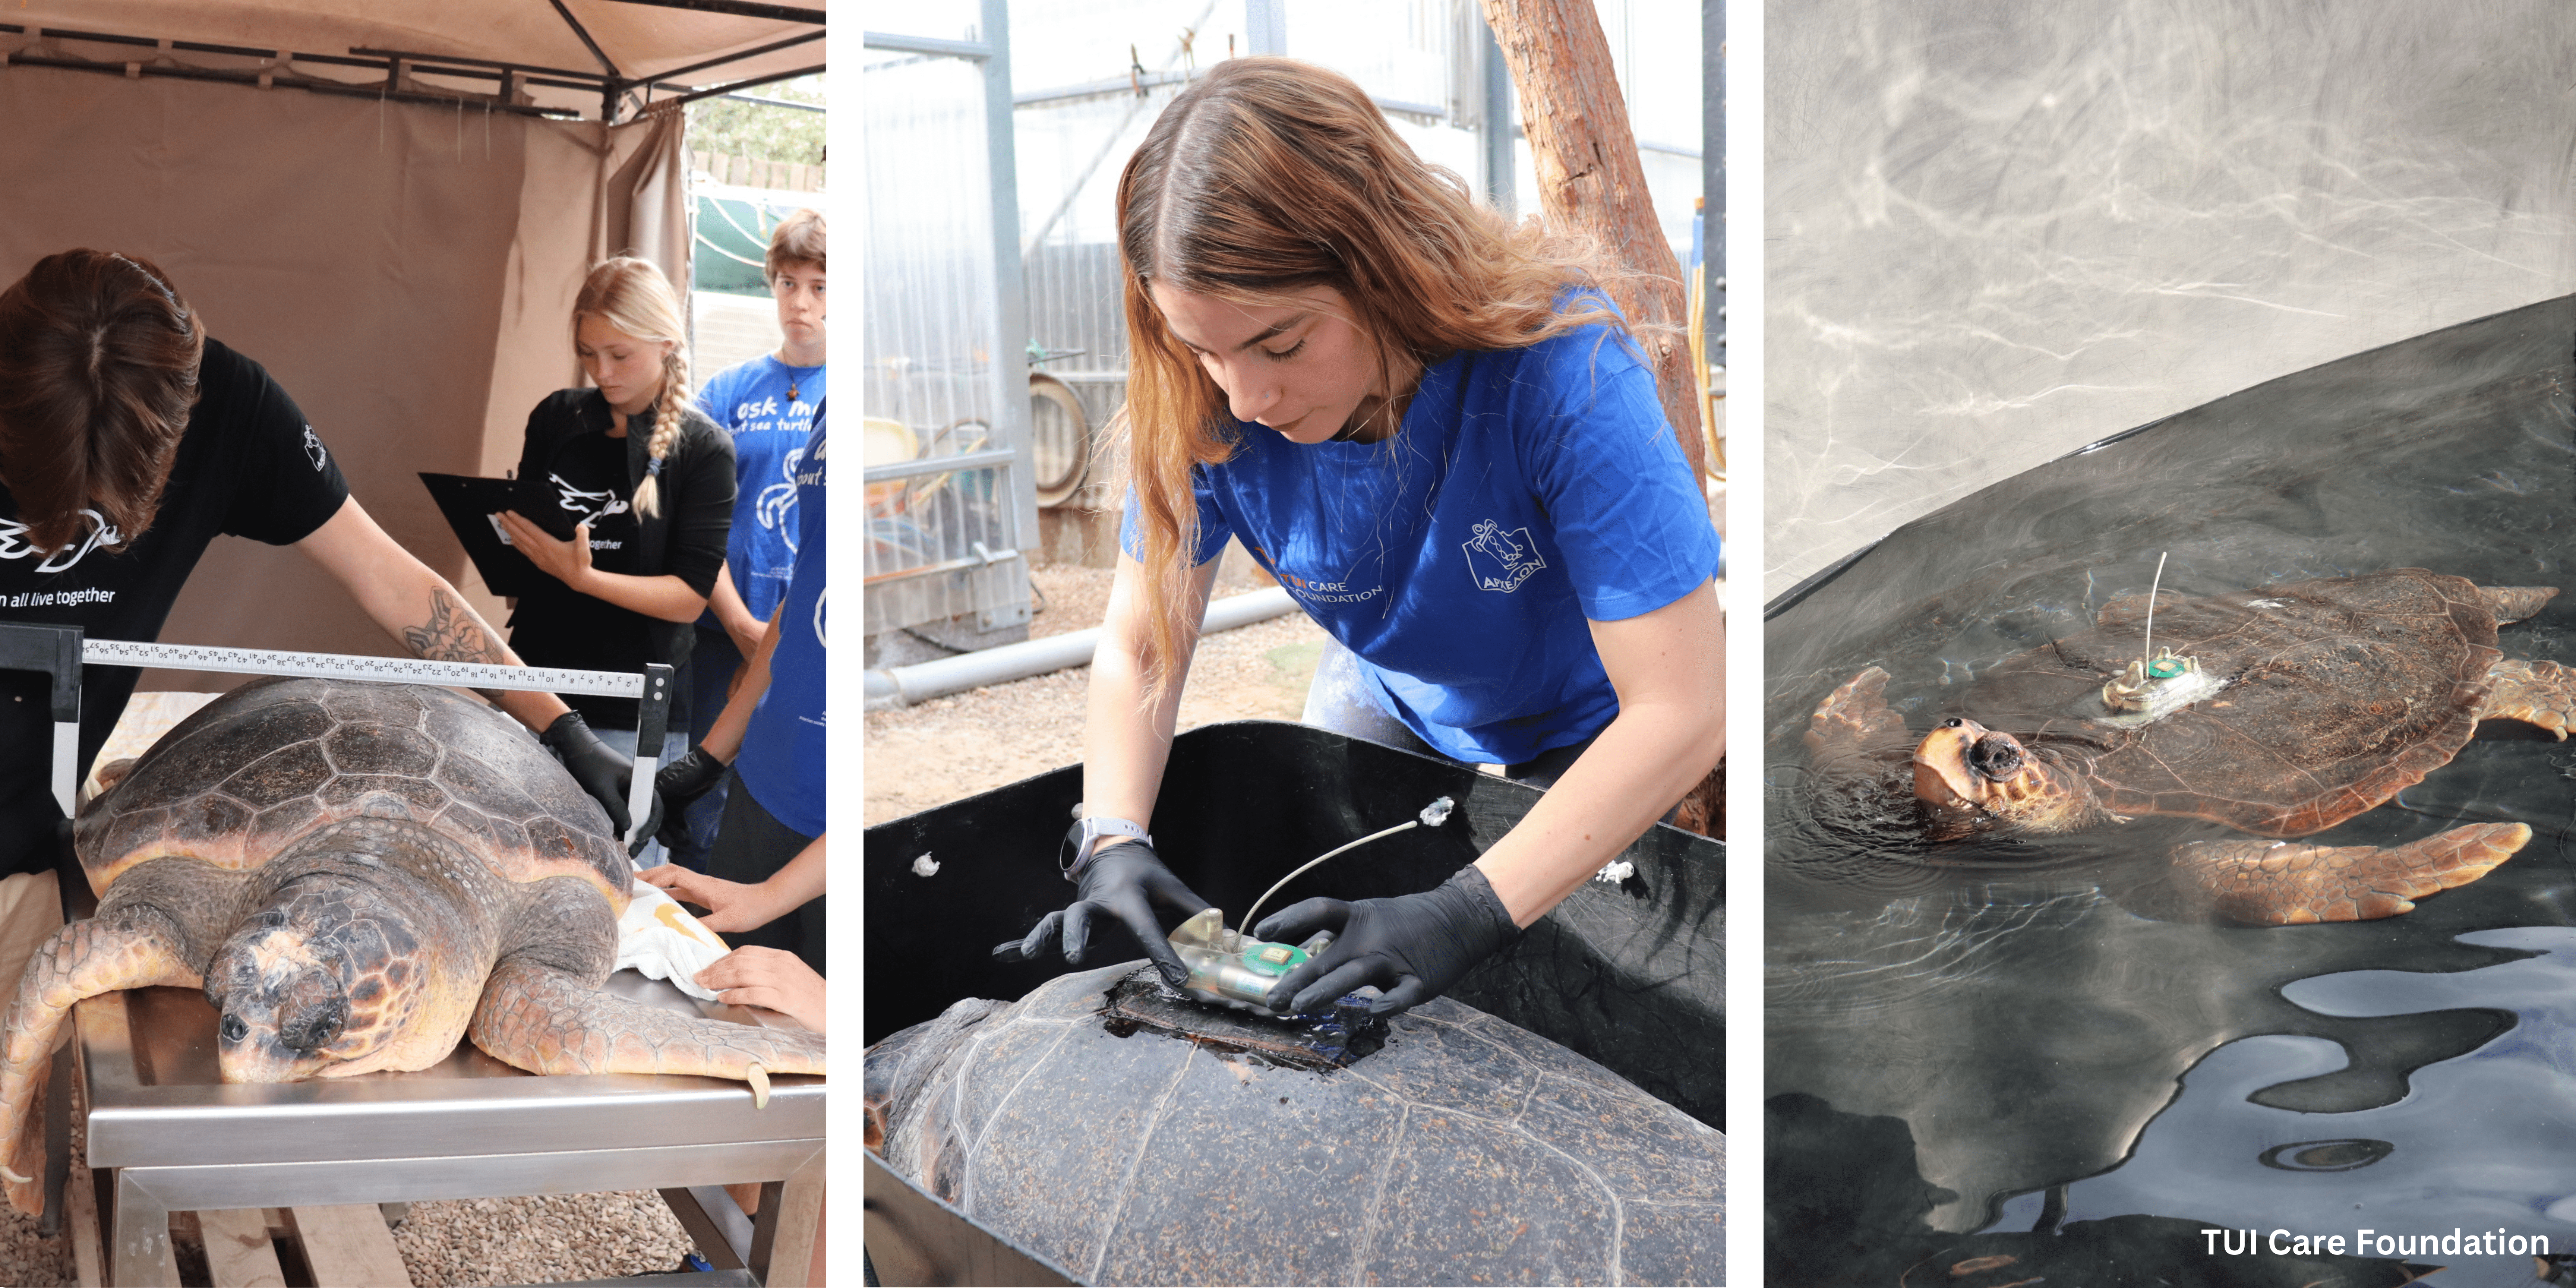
(1438, 436)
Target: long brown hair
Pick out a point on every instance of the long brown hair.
(633, 296)
(98, 374)
(1269, 176)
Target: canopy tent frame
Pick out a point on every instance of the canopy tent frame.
(619, 100)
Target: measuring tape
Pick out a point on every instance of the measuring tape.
(652, 689)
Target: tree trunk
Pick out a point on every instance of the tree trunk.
(1590, 179)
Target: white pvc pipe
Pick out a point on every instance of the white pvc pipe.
(904, 685)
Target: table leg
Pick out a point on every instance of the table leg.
(791, 1215)
(141, 1257)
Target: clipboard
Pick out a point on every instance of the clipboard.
(469, 504)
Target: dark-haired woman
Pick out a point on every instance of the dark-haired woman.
(644, 480)
(128, 440)
(1435, 431)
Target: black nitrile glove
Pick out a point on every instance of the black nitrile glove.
(1413, 947)
(677, 786)
(1121, 881)
(600, 771)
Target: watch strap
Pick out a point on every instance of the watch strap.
(1086, 837)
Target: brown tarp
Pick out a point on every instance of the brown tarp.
(405, 271)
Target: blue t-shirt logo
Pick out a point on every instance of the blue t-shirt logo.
(1499, 560)
(778, 500)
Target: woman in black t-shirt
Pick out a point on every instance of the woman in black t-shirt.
(648, 509)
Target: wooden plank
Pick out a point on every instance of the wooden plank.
(238, 1251)
(80, 1196)
(80, 1203)
(348, 1245)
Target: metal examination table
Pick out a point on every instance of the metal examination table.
(166, 1134)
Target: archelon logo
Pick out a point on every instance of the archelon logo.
(1499, 560)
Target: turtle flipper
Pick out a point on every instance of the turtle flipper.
(2288, 883)
(1854, 716)
(120, 948)
(541, 1019)
(2541, 693)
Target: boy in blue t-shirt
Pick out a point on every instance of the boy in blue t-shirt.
(767, 405)
(763, 882)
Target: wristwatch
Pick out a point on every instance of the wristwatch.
(1085, 836)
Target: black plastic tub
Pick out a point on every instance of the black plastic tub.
(2062, 1068)
(1628, 974)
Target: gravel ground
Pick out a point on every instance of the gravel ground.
(25, 1257)
(953, 747)
(559, 1238)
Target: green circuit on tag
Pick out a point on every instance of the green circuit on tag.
(1272, 959)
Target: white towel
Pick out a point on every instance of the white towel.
(658, 937)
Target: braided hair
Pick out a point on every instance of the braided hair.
(633, 296)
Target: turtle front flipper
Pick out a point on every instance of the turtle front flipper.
(2287, 883)
(133, 947)
(2511, 604)
(1854, 717)
(539, 1018)
(2541, 693)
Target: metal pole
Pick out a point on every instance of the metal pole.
(1265, 26)
(1009, 581)
(1712, 151)
(1501, 156)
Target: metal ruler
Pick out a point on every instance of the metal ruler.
(347, 666)
(50, 648)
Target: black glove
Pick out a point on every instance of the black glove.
(602, 773)
(677, 786)
(1413, 947)
(1121, 881)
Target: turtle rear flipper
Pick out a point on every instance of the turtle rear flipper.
(2289, 883)
(119, 948)
(539, 1018)
(2541, 693)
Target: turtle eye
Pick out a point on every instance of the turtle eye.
(234, 1029)
(1995, 756)
(1954, 722)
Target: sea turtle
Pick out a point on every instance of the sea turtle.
(2290, 708)
(358, 874)
(1465, 1150)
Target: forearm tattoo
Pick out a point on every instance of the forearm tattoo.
(454, 633)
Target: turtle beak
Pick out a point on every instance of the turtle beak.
(1943, 775)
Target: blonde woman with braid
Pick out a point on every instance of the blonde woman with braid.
(645, 483)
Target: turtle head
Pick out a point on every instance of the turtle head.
(301, 985)
(1967, 772)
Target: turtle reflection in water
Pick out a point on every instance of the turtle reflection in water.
(358, 875)
(1466, 1150)
(2313, 701)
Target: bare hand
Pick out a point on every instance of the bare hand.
(767, 977)
(565, 561)
(730, 905)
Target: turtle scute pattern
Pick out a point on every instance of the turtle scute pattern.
(2340, 694)
(1466, 1151)
(242, 779)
